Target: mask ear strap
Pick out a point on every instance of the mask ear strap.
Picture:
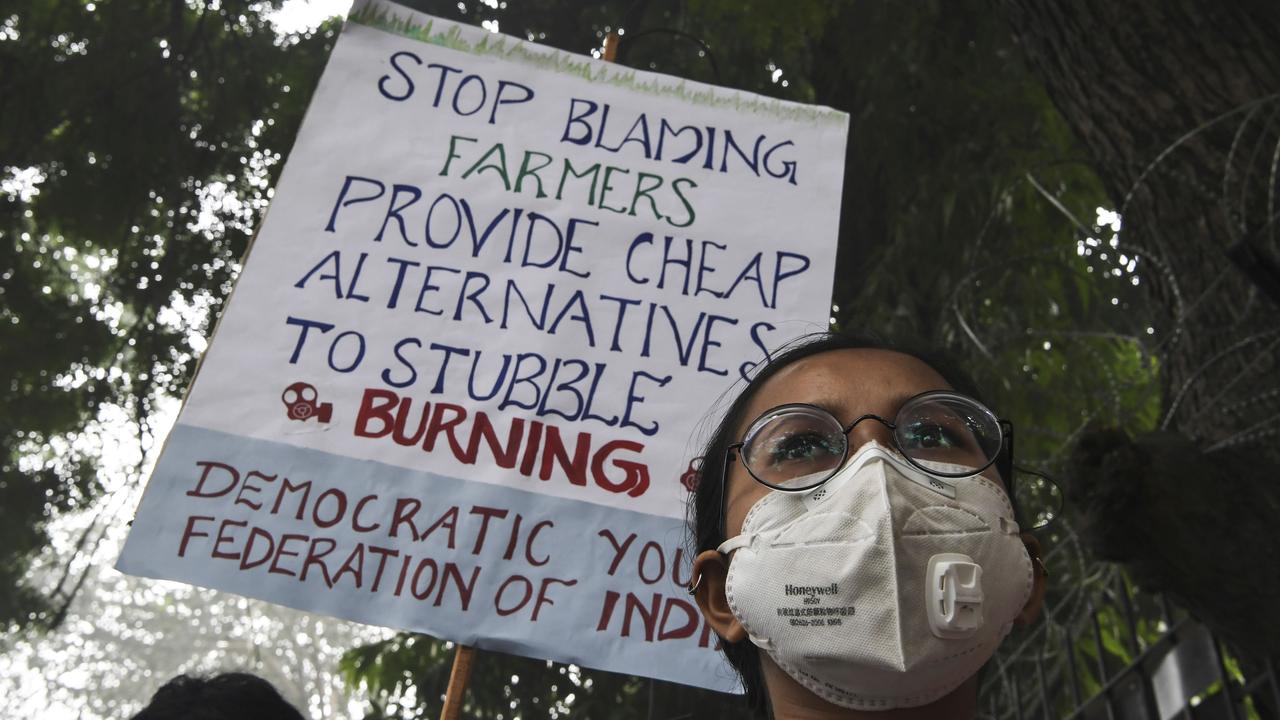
(725, 548)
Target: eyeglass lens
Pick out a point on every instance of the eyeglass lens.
(947, 434)
(794, 448)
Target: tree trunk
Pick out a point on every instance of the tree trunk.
(1177, 104)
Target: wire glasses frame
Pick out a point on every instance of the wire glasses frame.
(797, 447)
(1001, 458)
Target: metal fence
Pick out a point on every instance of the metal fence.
(1126, 656)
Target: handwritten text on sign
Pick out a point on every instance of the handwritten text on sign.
(458, 384)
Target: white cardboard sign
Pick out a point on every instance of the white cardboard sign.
(457, 386)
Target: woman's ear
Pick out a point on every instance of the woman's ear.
(1031, 610)
(710, 569)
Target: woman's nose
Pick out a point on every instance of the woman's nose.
(867, 429)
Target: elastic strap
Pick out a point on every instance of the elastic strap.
(734, 543)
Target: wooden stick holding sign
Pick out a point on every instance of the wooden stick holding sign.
(611, 42)
(458, 678)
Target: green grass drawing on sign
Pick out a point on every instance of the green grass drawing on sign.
(381, 17)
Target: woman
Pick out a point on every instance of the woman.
(850, 521)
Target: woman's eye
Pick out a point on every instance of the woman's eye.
(802, 447)
(930, 435)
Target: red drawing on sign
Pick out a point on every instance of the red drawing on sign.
(690, 477)
(300, 399)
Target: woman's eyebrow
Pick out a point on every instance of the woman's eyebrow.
(831, 408)
(901, 399)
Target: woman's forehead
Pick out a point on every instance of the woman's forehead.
(849, 382)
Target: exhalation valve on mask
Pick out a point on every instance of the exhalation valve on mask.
(954, 589)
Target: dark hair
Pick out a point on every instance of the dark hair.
(229, 696)
(708, 498)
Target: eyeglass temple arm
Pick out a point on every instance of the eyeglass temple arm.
(1004, 461)
(724, 483)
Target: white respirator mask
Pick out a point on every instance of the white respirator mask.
(884, 587)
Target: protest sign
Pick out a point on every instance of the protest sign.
(497, 290)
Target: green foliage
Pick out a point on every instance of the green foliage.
(406, 676)
(131, 113)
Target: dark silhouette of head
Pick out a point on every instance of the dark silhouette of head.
(229, 696)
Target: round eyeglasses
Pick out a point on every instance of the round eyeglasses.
(798, 446)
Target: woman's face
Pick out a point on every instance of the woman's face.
(849, 384)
